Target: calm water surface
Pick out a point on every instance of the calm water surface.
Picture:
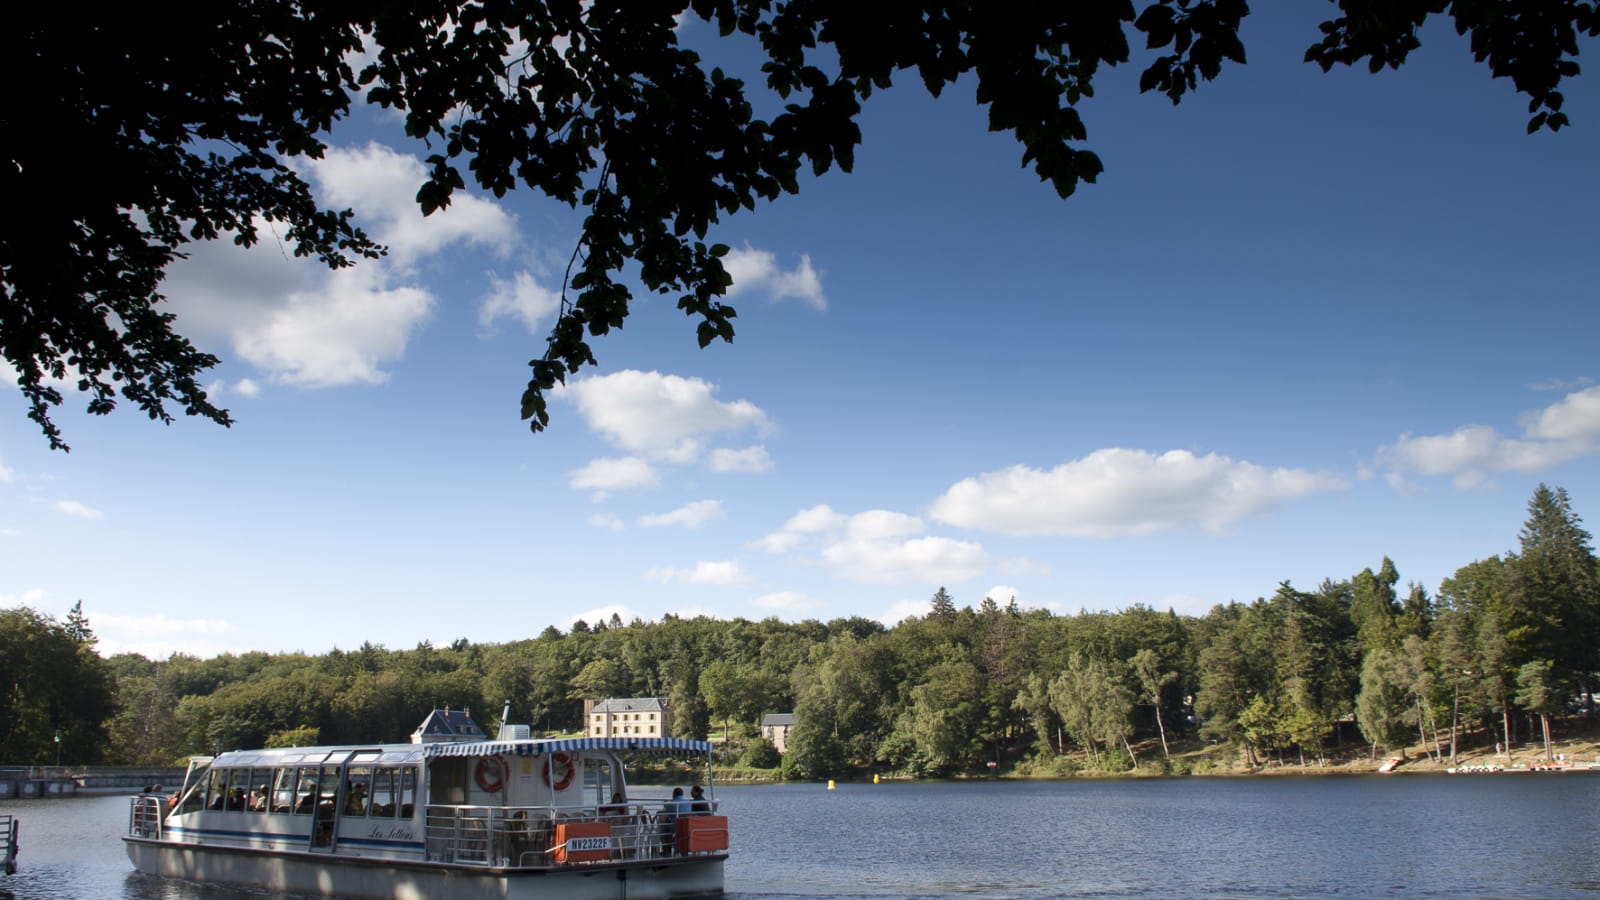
(1514, 836)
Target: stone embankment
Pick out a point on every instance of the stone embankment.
(51, 781)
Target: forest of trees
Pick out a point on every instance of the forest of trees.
(1503, 646)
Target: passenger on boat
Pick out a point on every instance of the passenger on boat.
(700, 805)
(617, 807)
(677, 806)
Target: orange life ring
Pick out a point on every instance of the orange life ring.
(564, 768)
(491, 773)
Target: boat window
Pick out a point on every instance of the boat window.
(408, 792)
(283, 791)
(383, 779)
(305, 794)
(217, 789)
(328, 789)
(357, 790)
(194, 798)
(260, 788)
(597, 780)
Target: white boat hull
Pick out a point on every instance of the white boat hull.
(326, 875)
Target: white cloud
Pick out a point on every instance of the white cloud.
(876, 524)
(926, 560)
(1119, 492)
(604, 475)
(902, 611)
(787, 601)
(158, 637)
(7, 475)
(343, 334)
(607, 522)
(74, 508)
(308, 326)
(1562, 431)
(1004, 594)
(1575, 417)
(750, 459)
(661, 417)
(381, 184)
(722, 573)
(758, 270)
(10, 532)
(522, 298)
(816, 520)
(876, 547)
(691, 515)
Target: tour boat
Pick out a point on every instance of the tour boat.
(450, 815)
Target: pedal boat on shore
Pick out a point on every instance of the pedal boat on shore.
(451, 815)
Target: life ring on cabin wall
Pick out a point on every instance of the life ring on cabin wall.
(491, 773)
(558, 771)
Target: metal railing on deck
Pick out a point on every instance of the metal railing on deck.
(145, 815)
(527, 836)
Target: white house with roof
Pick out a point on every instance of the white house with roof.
(775, 727)
(628, 717)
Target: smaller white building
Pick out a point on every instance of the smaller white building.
(775, 728)
(628, 717)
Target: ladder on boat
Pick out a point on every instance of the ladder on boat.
(8, 844)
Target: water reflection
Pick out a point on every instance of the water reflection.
(1380, 837)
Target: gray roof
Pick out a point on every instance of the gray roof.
(778, 719)
(630, 704)
(450, 724)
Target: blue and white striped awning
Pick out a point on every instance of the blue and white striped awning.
(570, 745)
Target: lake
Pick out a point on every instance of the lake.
(1407, 836)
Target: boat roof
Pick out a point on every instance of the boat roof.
(404, 753)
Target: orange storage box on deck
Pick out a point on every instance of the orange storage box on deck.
(698, 834)
(582, 841)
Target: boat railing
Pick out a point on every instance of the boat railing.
(145, 815)
(544, 836)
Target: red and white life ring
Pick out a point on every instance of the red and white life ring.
(558, 771)
(491, 773)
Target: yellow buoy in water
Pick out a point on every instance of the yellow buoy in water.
(830, 784)
(874, 777)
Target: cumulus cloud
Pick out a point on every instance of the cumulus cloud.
(666, 418)
(723, 573)
(816, 520)
(1003, 594)
(308, 326)
(76, 509)
(787, 601)
(903, 610)
(750, 459)
(521, 298)
(877, 547)
(158, 637)
(1116, 492)
(7, 475)
(1554, 434)
(758, 270)
(343, 334)
(605, 475)
(691, 515)
(607, 522)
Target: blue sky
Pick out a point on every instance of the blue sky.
(1302, 322)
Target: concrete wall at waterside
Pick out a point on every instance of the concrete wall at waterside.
(48, 781)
